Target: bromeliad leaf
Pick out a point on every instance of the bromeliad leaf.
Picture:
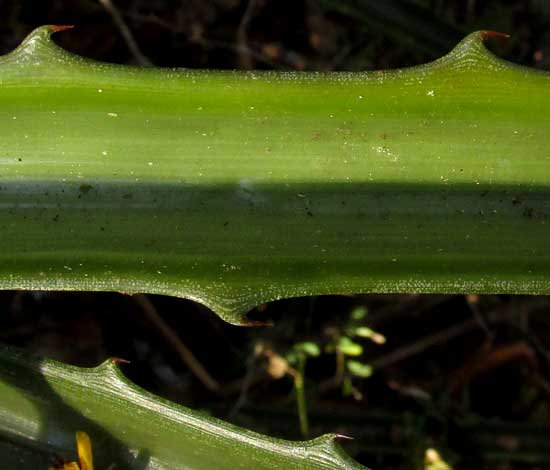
(43, 402)
(235, 189)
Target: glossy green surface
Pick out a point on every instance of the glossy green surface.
(44, 403)
(236, 188)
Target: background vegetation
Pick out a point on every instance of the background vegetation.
(467, 375)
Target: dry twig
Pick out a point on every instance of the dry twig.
(245, 59)
(176, 343)
(139, 56)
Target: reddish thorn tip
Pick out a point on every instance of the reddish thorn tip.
(61, 27)
(495, 34)
(343, 437)
(119, 360)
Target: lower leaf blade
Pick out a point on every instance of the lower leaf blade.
(45, 402)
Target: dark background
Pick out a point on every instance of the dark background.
(282, 34)
(467, 375)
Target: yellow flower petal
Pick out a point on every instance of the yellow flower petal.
(84, 449)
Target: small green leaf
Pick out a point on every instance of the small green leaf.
(359, 369)
(365, 332)
(434, 461)
(292, 357)
(348, 347)
(309, 348)
(359, 313)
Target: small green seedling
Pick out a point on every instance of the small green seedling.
(345, 344)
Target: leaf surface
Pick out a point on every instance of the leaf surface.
(237, 188)
(44, 403)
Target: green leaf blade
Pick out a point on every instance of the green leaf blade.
(44, 403)
(235, 189)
